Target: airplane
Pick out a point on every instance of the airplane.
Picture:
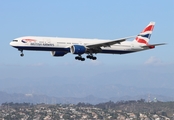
(79, 46)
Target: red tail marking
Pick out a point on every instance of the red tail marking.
(149, 28)
(141, 40)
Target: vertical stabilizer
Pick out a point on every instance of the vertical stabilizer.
(145, 35)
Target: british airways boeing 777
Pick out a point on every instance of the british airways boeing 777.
(62, 46)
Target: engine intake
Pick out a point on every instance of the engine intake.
(78, 49)
(58, 53)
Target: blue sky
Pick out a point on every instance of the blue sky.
(83, 19)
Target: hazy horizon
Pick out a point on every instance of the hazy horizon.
(41, 73)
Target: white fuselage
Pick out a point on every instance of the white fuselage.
(63, 44)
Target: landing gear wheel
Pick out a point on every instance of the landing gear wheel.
(82, 59)
(87, 56)
(94, 58)
(22, 54)
(77, 57)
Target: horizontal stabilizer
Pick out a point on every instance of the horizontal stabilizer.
(151, 46)
(159, 44)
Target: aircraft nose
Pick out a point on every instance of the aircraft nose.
(11, 43)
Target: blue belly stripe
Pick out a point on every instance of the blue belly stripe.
(68, 50)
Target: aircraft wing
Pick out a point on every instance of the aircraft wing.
(109, 43)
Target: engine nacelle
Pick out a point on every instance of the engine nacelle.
(58, 53)
(78, 49)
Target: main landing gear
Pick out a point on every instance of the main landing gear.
(79, 57)
(91, 57)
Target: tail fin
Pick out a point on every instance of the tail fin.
(145, 35)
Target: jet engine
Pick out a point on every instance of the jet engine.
(78, 49)
(58, 53)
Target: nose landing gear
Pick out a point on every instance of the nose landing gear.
(22, 54)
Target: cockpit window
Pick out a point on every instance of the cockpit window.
(15, 40)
